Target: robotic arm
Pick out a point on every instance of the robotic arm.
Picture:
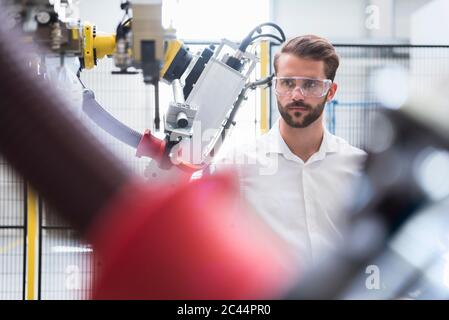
(208, 87)
(55, 27)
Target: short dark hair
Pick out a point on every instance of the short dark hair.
(312, 47)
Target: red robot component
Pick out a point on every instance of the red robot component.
(194, 242)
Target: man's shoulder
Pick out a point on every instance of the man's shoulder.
(346, 156)
(343, 147)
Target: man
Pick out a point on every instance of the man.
(298, 175)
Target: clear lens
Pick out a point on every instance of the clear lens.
(309, 87)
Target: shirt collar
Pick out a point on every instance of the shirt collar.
(276, 144)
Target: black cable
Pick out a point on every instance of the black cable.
(270, 24)
(125, 6)
(125, 22)
(267, 35)
(78, 75)
(261, 82)
(122, 29)
(250, 38)
(275, 26)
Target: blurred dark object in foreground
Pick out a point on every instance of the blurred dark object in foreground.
(405, 187)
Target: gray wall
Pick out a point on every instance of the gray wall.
(404, 10)
(346, 21)
(331, 19)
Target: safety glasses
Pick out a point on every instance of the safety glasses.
(285, 86)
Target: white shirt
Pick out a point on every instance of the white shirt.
(302, 202)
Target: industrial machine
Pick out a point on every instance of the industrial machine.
(208, 87)
(54, 26)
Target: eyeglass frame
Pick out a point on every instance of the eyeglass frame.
(326, 81)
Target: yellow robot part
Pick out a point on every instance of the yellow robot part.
(96, 46)
(173, 47)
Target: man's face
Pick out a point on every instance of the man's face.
(296, 110)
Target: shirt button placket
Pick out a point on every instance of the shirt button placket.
(307, 209)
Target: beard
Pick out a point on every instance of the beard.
(301, 119)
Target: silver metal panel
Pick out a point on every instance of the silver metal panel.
(214, 95)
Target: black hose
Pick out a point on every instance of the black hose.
(261, 82)
(267, 35)
(249, 38)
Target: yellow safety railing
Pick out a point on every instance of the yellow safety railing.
(32, 243)
(264, 70)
